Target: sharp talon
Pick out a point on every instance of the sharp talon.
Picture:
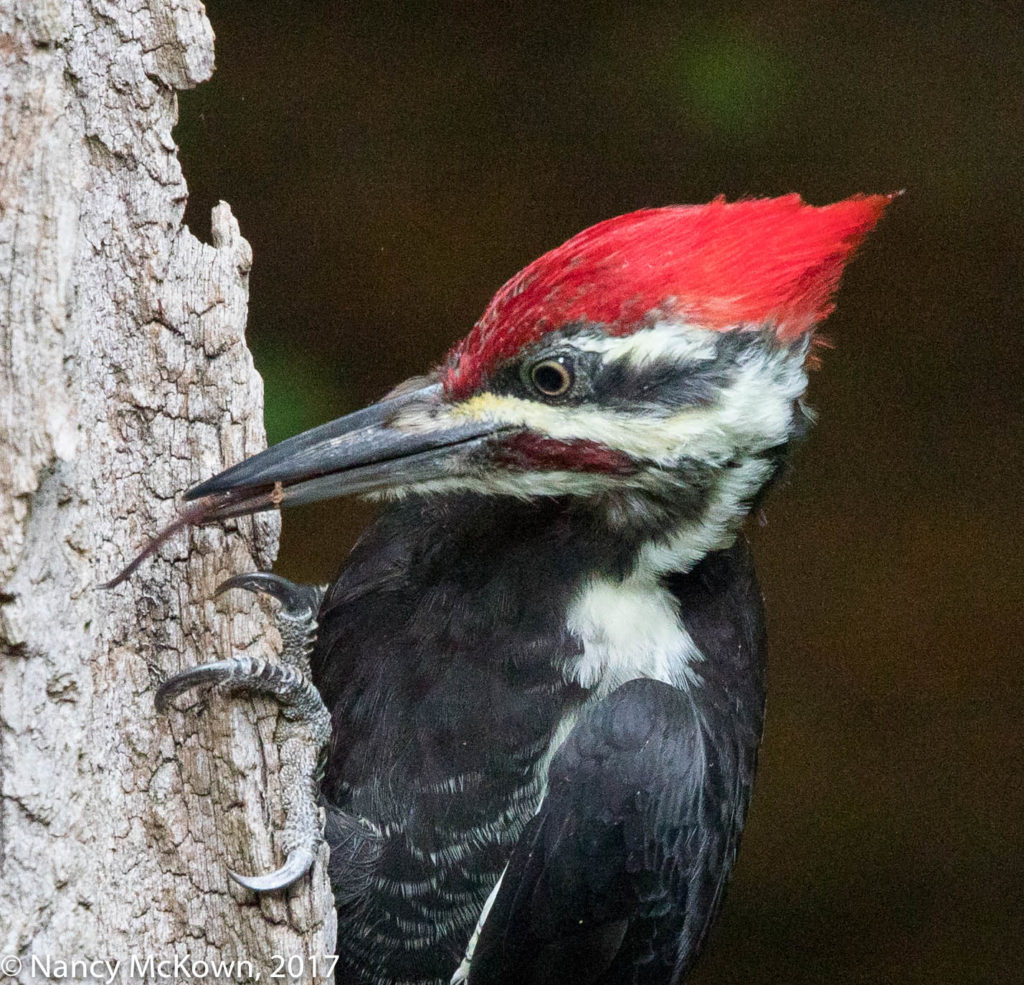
(294, 598)
(207, 674)
(296, 619)
(257, 581)
(300, 861)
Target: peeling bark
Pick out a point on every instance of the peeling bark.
(124, 378)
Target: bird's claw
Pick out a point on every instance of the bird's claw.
(288, 683)
(296, 600)
(298, 863)
(283, 682)
(296, 619)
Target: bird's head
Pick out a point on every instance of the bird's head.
(652, 358)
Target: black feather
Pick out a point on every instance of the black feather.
(441, 654)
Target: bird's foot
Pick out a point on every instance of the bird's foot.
(299, 699)
(296, 619)
(305, 730)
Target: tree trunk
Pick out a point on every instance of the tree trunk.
(124, 378)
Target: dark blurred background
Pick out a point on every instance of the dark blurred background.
(393, 163)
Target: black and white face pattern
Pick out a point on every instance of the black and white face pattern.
(658, 395)
(660, 414)
(654, 371)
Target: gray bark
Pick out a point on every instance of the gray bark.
(124, 378)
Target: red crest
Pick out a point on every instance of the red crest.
(758, 262)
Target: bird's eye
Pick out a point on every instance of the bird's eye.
(552, 377)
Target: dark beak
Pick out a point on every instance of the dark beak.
(404, 439)
(408, 438)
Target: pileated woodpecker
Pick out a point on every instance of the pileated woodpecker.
(544, 662)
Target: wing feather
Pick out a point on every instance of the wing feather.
(617, 877)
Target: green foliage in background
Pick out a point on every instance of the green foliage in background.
(300, 389)
(734, 83)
